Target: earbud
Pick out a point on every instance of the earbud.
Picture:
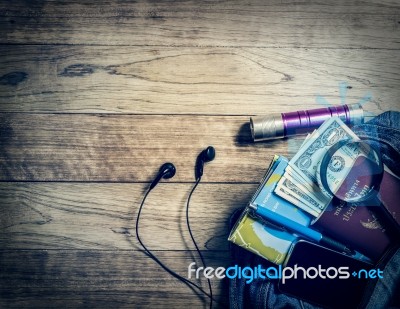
(167, 170)
(206, 155)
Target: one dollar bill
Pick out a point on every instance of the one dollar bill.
(306, 161)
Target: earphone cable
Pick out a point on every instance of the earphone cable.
(154, 258)
(194, 241)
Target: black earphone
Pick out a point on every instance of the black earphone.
(206, 155)
(168, 170)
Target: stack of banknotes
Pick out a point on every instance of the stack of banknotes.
(300, 183)
(293, 189)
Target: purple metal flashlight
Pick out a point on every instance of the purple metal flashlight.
(278, 125)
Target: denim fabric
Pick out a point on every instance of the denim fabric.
(386, 293)
(384, 132)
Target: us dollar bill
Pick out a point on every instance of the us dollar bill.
(313, 192)
(306, 139)
(288, 195)
(306, 161)
(304, 196)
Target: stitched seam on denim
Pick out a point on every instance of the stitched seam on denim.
(234, 294)
(376, 130)
(377, 134)
(381, 140)
(267, 291)
(374, 125)
(261, 296)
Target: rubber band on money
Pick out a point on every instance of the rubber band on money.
(376, 177)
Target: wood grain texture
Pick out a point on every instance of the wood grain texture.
(211, 81)
(101, 279)
(96, 95)
(129, 148)
(191, 23)
(102, 216)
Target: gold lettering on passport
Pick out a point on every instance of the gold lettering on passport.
(347, 215)
(338, 208)
(352, 189)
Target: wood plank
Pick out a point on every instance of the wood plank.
(207, 81)
(348, 24)
(103, 216)
(100, 279)
(129, 148)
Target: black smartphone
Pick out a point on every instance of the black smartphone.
(329, 279)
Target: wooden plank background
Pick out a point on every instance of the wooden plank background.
(96, 95)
